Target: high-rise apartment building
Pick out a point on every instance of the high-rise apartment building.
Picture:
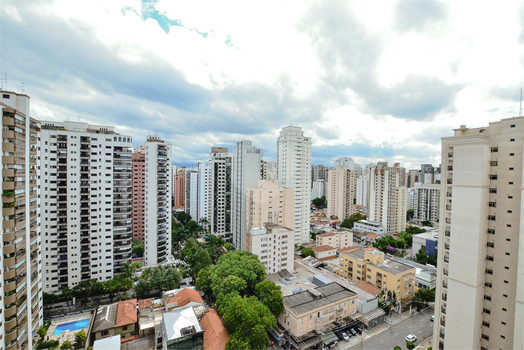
(245, 174)
(139, 193)
(426, 203)
(480, 281)
(86, 186)
(412, 178)
(204, 188)
(362, 192)
(319, 189)
(318, 172)
(221, 162)
(157, 194)
(294, 171)
(271, 170)
(21, 275)
(340, 192)
(267, 203)
(191, 196)
(180, 189)
(347, 162)
(385, 201)
(273, 245)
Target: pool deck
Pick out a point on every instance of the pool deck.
(61, 320)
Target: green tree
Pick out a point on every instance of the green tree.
(313, 235)
(80, 338)
(427, 223)
(137, 246)
(194, 228)
(410, 214)
(432, 259)
(196, 257)
(228, 246)
(410, 345)
(320, 203)
(214, 247)
(307, 252)
(159, 278)
(66, 345)
(397, 347)
(204, 281)
(183, 218)
(414, 230)
(248, 321)
(350, 222)
(421, 256)
(271, 296)
(204, 223)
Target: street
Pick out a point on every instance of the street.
(420, 325)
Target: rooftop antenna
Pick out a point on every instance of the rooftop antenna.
(22, 87)
(5, 80)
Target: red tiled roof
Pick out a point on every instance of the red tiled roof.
(335, 220)
(322, 248)
(184, 297)
(349, 249)
(326, 235)
(215, 333)
(125, 340)
(145, 303)
(368, 249)
(367, 287)
(126, 313)
(372, 235)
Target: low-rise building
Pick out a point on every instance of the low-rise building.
(181, 330)
(109, 343)
(427, 241)
(339, 240)
(317, 309)
(215, 333)
(371, 237)
(325, 252)
(369, 226)
(274, 246)
(426, 275)
(371, 266)
(116, 319)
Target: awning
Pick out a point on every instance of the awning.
(329, 338)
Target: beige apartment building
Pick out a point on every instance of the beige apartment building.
(480, 281)
(340, 192)
(317, 309)
(21, 274)
(371, 266)
(268, 203)
(274, 246)
(337, 240)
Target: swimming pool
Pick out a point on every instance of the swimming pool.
(71, 326)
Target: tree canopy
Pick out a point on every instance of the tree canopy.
(319, 202)
(196, 257)
(307, 252)
(350, 222)
(183, 218)
(410, 214)
(271, 296)
(160, 278)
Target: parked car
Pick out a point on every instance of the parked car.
(353, 331)
(345, 336)
(411, 337)
(359, 330)
(432, 318)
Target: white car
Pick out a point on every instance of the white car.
(345, 336)
(411, 337)
(432, 318)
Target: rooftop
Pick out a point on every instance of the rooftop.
(370, 223)
(180, 322)
(215, 333)
(394, 267)
(368, 287)
(316, 298)
(323, 248)
(372, 235)
(105, 318)
(127, 313)
(349, 249)
(326, 235)
(145, 303)
(183, 297)
(110, 343)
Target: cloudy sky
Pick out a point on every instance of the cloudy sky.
(375, 80)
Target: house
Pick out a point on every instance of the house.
(316, 309)
(181, 297)
(369, 226)
(181, 330)
(116, 319)
(371, 237)
(339, 240)
(215, 332)
(325, 252)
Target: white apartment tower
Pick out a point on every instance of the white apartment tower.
(426, 203)
(158, 208)
(294, 171)
(204, 177)
(385, 201)
(362, 193)
(246, 173)
(340, 192)
(347, 162)
(21, 275)
(86, 201)
(192, 195)
(480, 282)
(274, 247)
(220, 187)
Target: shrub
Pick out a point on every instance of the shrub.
(50, 344)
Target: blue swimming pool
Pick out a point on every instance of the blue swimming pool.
(71, 326)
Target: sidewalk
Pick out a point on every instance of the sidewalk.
(390, 321)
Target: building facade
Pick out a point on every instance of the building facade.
(21, 277)
(274, 246)
(294, 166)
(86, 186)
(221, 162)
(180, 189)
(340, 192)
(480, 281)
(139, 193)
(339, 240)
(192, 196)
(426, 204)
(362, 192)
(245, 174)
(318, 173)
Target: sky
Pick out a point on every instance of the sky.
(374, 80)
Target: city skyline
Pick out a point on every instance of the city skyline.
(375, 85)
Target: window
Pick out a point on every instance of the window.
(487, 311)
(487, 297)
(506, 267)
(510, 183)
(491, 231)
(124, 328)
(489, 258)
(486, 324)
(104, 333)
(492, 190)
(512, 154)
(494, 149)
(508, 239)
(490, 244)
(6, 96)
(512, 125)
(489, 271)
(504, 309)
(506, 281)
(484, 336)
(505, 295)
(492, 177)
(494, 163)
(492, 217)
(493, 204)
(510, 197)
(511, 140)
(488, 284)
(511, 168)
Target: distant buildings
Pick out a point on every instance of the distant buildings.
(426, 204)
(319, 189)
(339, 240)
(340, 192)
(274, 245)
(294, 166)
(318, 173)
(480, 284)
(220, 189)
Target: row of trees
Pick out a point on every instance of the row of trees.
(350, 222)
(404, 240)
(423, 258)
(247, 303)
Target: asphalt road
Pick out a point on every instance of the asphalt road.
(420, 325)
